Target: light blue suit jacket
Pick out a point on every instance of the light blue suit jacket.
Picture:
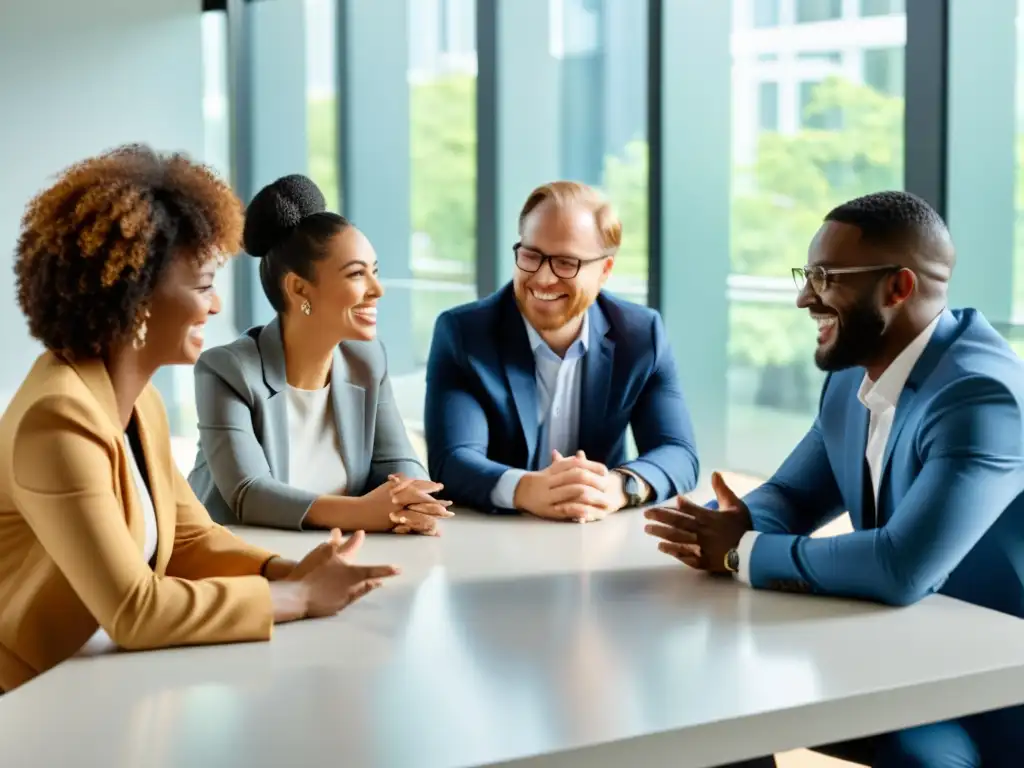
(951, 489)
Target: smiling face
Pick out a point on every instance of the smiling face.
(182, 302)
(852, 311)
(345, 288)
(569, 232)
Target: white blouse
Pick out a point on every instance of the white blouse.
(100, 641)
(314, 446)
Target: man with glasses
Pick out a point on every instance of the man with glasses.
(919, 435)
(530, 391)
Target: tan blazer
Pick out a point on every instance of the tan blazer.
(72, 533)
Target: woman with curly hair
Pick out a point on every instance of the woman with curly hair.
(298, 426)
(103, 545)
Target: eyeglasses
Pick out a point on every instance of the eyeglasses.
(820, 277)
(565, 267)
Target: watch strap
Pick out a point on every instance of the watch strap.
(633, 497)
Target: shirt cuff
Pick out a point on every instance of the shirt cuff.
(263, 568)
(503, 495)
(744, 550)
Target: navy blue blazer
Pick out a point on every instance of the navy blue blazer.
(481, 401)
(951, 490)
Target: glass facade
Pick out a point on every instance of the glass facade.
(442, 178)
(428, 121)
(838, 134)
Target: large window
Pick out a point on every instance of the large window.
(216, 154)
(442, 140)
(442, 167)
(842, 136)
(591, 128)
(321, 101)
(814, 117)
(176, 383)
(600, 47)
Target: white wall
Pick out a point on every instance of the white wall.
(77, 78)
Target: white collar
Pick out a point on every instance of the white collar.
(536, 341)
(881, 395)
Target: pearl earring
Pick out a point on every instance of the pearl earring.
(307, 308)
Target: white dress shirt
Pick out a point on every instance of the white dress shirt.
(880, 398)
(558, 406)
(100, 641)
(314, 447)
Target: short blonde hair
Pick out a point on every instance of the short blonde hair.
(565, 193)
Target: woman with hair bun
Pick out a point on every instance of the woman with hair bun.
(103, 545)
(298, 426)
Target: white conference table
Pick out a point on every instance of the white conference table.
(512, 641)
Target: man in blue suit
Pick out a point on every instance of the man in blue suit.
(530, 391)
(919, 435)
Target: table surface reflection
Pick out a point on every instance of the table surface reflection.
(517, 641)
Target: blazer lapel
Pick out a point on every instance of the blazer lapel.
(94, 374)
(348, 401)
(521, 372)
(863, 506)
(161, 493)
(275, 376)
(596, 380)
(944, 335)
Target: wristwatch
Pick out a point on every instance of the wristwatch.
(732, 561)
(632, 487)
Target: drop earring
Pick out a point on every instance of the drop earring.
(141, 328)
(307, 308)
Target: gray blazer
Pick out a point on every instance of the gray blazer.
(241, 470)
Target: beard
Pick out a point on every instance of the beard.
(576, 304)
(857, 337)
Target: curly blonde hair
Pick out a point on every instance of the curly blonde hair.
(94, 245)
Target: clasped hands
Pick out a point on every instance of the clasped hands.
(409, 505)
(571, 488)
(697, 536)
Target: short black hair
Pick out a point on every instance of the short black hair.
(94, 245)
(897, 219)
(287, 227)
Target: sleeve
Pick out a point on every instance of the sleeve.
(503, 495)
(392, 449)
(63, 474)
(237, 462)
(203, 549)
(972, 470)
(662, 427)
(456, 425)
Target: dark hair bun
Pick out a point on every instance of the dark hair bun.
(277, 209)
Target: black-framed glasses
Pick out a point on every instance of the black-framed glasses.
(821, 277)
(565, 267)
